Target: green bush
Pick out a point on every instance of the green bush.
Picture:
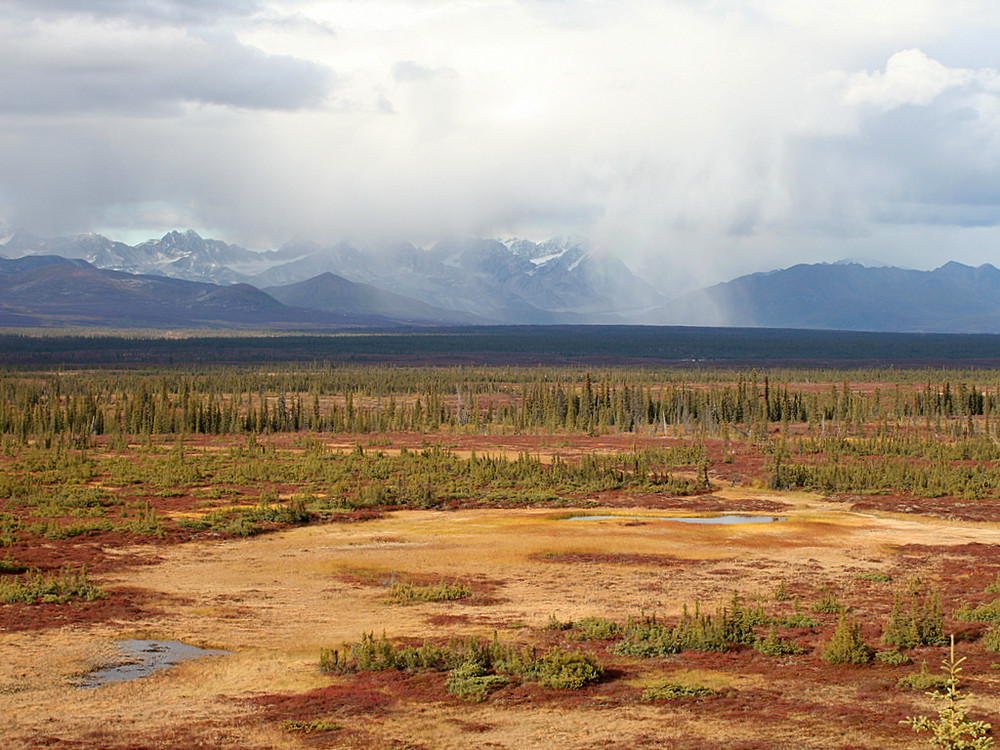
(795, 620)
(876, 577)
(893, 657)
(472, 681)
(476, 666)
(923, 680)
(558, 668)
(36, 588)
(669, 691)
(989, 612)
(828, 604)
(247, 522)
(401, 591)
(729, 628)
(308, 727)
(952, 729)
(847, 646)
(920, 624)
(555, 623)
(772, 645)
(991, 639)
(596, 629)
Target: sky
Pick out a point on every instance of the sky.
(695, 139)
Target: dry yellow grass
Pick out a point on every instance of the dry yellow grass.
(274, 601)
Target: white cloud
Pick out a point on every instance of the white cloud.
(911, 77)
(720, 135)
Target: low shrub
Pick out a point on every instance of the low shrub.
(308, 727)
(875, 576)
(247, 522)
(729, 628)
(562, 669)
(669, 691)
(991, 639)
(475, 666)
(795, 620)
(36, 588)
(847, 646)
(893, 657)
(555, 623)
(472, 681)
(772, 645)
(923, 680)
(401, 591)
(989, 612)
(919, 624)
(828, 604)
(596, 629)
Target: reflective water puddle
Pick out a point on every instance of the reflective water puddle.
(142, 658)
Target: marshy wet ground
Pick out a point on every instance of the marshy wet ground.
(142, 658)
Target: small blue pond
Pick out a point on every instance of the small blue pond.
(141, 658)
(730, 519)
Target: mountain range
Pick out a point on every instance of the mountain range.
(954, 298)
(477, 280)
(182, 279)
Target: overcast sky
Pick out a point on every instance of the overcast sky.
(707, 137)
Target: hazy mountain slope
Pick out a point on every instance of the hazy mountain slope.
(75, 293)
(953, 298)
(518, 281)
(333, 293)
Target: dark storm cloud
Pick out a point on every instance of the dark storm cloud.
(154, 77)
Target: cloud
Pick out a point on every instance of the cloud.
(709, 136)
(141, 72)
(911, 77)
(186, 12)
(918, 146)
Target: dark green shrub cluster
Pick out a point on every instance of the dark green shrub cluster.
(918, 624)
(52, 529)
(773, 645)
(730, 627)
(37, 588)
(846, 646)
(794, 620)
(828, 604)
(472, 681)
(9, 526)
(475, 666)
(892, 657)
(875, 576)
(669, 691)
(146, 522)
(988, 612)
(923, 680)
(402, 591)
(596, 629)
(247, 521)
(562, 669)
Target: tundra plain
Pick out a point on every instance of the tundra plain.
(289, 517)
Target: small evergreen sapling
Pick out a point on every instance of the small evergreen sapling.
(952, 729)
